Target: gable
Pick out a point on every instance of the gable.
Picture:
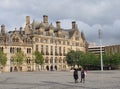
(15, 37)
(76, 35)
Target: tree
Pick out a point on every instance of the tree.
(115, 62)
(116, 59)
(3, 59)
(19, 58)
(38, 58)
(80, 58)
(106, 59)
(74, 58)
(90, 60)
(70, 58)
(112, 60)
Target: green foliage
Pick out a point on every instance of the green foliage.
(90, 59)
(70, 58)
(113, 59)
(79, 56)
(81, 59)
(19, 58)
(38, 58)
(3, 58)
(74, 58)
(85, 59)
(106, 59)
(116, 59)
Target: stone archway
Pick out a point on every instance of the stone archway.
(55, 67)
(47, 67)
(11, 69)
(15, 68)
(51, 67)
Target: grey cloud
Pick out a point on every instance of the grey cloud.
(90, 15)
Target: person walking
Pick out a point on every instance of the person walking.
(82, 75)
(75, 75)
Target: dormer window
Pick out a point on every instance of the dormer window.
(36, 39)
(76, 38)
(15, 40)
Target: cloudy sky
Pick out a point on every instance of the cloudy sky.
(90, 16)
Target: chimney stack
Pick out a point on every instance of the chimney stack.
(58, 24)
(21, 30)
(27, 20)
(73, 24)
(2, 28)
(45, 19)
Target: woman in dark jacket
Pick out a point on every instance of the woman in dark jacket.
(75, 75)
(82, 75)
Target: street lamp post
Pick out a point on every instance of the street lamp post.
(53, 37)
(101, 58)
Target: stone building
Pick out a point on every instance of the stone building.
(54, 42)
(112, 49)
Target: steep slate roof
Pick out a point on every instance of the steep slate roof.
(37, 25)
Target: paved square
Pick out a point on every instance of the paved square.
(59, 80)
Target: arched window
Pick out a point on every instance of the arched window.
(28, 60)
(60, 60)
(12, 49)
(51, 60)
(55, 59)
(46, 60)
(17, 40)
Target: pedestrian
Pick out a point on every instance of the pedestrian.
(75, 75)
(86, 71)
(82, 75)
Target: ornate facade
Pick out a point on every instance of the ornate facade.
(53, 43)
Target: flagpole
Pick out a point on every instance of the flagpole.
(101, 58)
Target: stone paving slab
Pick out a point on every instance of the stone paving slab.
(59, 80)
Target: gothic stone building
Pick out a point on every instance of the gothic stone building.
(53, 43)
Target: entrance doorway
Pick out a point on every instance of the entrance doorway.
(47, 67)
